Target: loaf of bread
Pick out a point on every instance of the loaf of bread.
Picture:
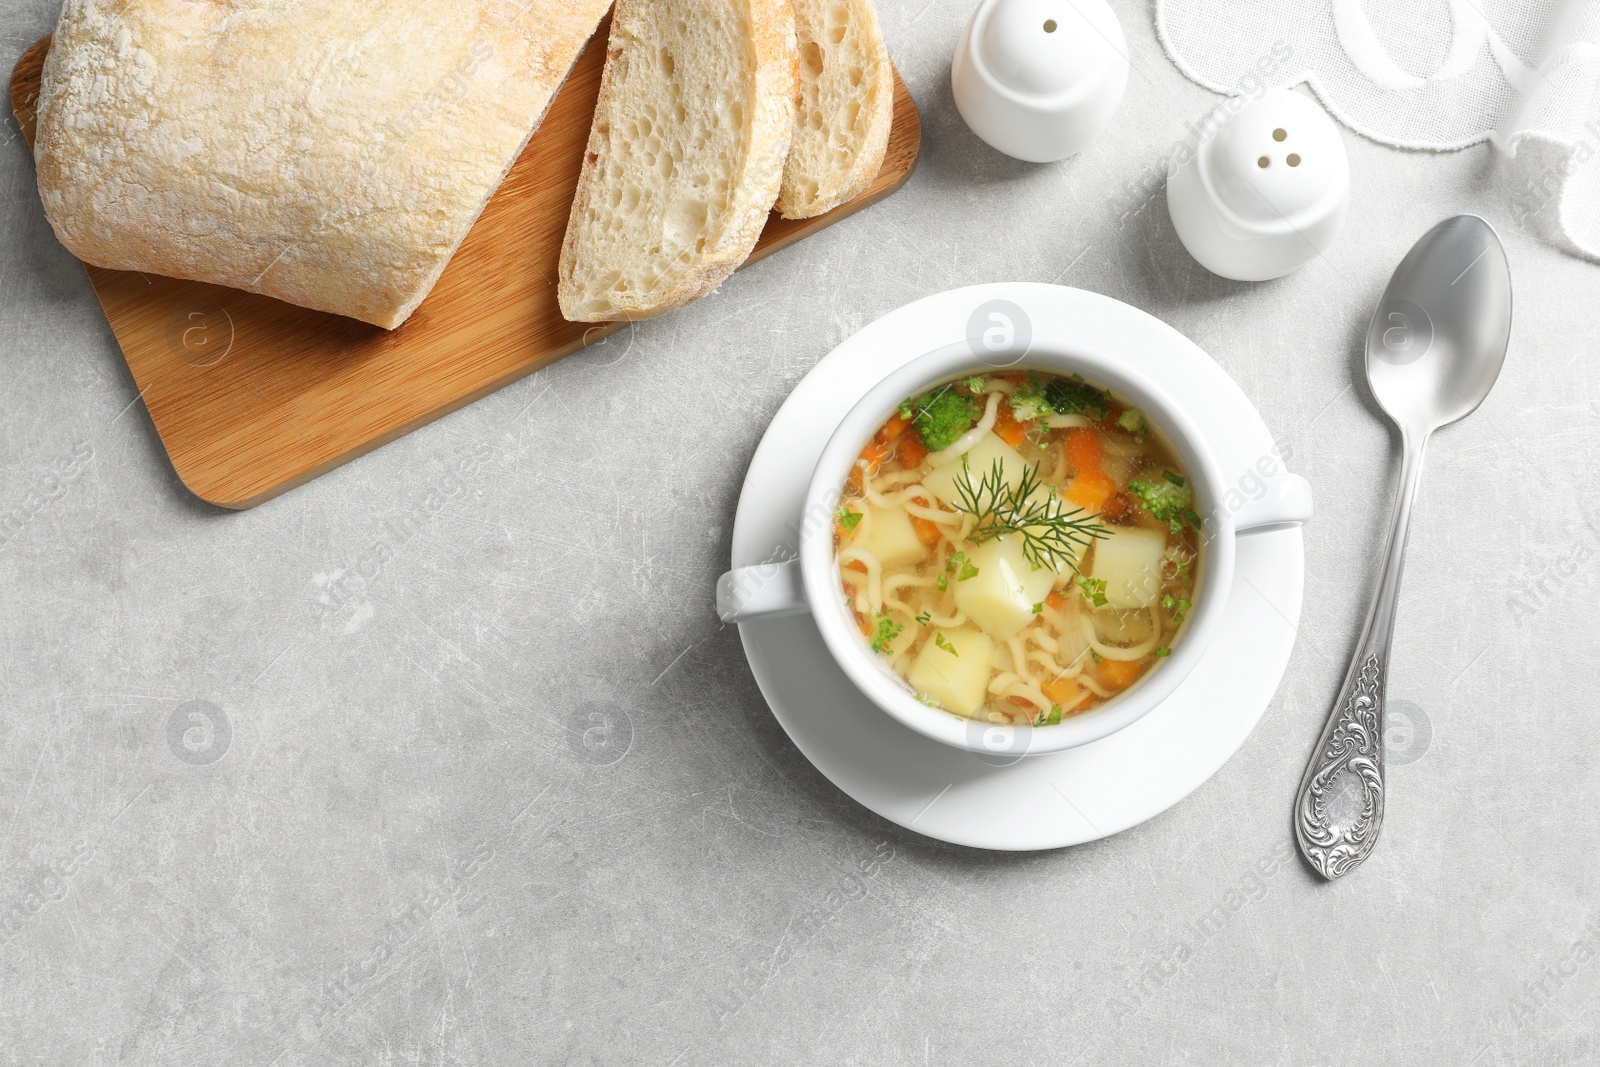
(846, 107)
(331, 153)
(685, 156)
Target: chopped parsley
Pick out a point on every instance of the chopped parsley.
(1179, 606)
(1038, 609)
(848, 520)
(925, 618)
(1050, 718)
(958, 566)
(1163, 652)
(885, 634)
(944, 642)
(1094, 590)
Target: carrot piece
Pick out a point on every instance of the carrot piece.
(1021, 702)
(926, 530)
(1055, 600)
(856, 565)
(1117, 673)
(1060, 690)
(1090, 490)
(1006, 426)
(1083, 449)
(872, 457)
(893, 428)
(911, 450)
(1116, 507)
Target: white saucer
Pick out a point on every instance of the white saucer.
(1036, 802)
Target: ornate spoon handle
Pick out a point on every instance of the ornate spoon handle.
(1339, 810)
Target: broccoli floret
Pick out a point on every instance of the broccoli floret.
(1077, 398)
(1034, 400)
(1168, 501)
(941, 417)
(1028, 402)
(1132, 420)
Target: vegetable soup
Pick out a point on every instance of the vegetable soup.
(1018, 547)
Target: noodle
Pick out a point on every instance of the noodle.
(1130, 652)
(1048, 662)
(1019, 658)
(900, 581)
(948, 518)
(895, 499)
(1095, 687)
(1032, 694)
(873, 577)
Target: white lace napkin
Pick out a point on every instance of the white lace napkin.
(1437, 75)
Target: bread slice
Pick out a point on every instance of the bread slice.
(685, 156)
(328, 153)
(846, 107)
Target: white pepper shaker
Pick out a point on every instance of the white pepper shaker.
(1260, 187)
(1039, 79)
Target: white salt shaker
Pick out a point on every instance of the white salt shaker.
(1260, 187)
(1039, 79)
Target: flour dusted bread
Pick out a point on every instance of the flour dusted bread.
(846, 107)
(331, 153)
(685, 156)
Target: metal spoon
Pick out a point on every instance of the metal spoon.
(1434, 349)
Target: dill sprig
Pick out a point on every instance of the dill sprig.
(1051, 534)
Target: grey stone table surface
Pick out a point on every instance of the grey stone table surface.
(517, 799)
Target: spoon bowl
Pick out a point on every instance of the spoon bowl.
(1438, 339)
(1434, 350)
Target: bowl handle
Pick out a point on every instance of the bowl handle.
(1285, 504)
(765, 591)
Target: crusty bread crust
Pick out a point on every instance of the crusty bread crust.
(328, 153)
(846, 107)
(769, 93)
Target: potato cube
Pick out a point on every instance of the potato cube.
(1000, 598)
(891, 537)
(1129, 562)
(980, 461)
(953, 669)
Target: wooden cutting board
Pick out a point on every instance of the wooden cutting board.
(252, 396)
